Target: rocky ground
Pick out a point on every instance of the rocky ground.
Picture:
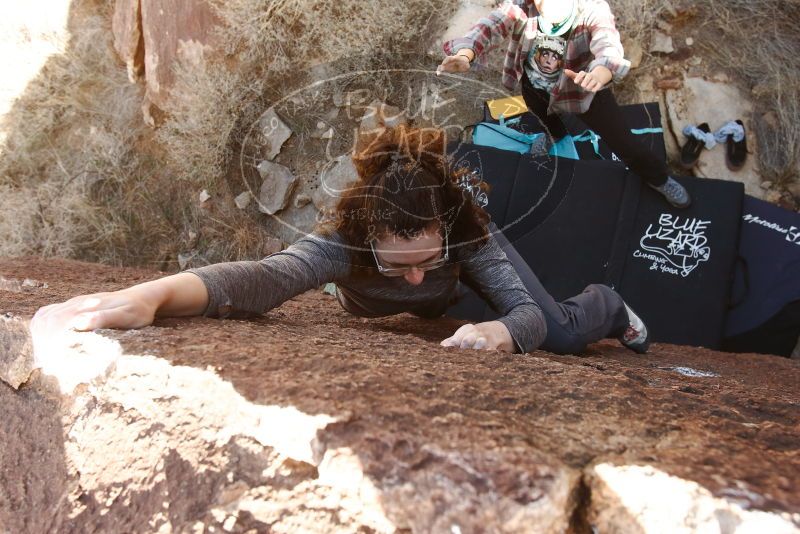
(309, 419)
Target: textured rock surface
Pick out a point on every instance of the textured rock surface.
(716, 103)
(128, 39)
(16, 351)
(309, 419)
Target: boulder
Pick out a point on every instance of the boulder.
(276, 188)
(310, 419)
(699, 100)
(334, 179)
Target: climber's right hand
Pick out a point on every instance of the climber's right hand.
(459, 62)
(134, 307)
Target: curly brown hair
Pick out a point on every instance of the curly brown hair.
(406, 184)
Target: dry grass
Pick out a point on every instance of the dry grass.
(81, 176)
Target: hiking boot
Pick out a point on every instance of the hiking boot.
(675, 193)
(635, 336)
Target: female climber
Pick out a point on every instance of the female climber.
(403, 236)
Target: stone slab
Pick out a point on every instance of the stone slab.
(308, 418)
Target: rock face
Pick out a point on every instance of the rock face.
(151, 35)
(311, 420)
(128, 39)
(699, 100)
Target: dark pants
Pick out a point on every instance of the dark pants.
(605, 118)
(595, 314)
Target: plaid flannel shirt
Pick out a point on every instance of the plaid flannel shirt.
(594, 41)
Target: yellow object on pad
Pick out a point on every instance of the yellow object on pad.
(507, 107)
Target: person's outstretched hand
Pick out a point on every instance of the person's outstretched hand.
(491, 335)
(128, 308)
(456, 63)
(590, 81)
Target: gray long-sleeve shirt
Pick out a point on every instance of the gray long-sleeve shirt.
(258, 286)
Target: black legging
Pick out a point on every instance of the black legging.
(597, 313)
(606, 119)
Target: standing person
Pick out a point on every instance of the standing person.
(566, 52)
(404, 234)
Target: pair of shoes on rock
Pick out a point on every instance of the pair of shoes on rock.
(675, 193)
(698, 137)
(635, 336)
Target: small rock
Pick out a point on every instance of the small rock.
(204, 196)
(321, 125)
(333, 182)
(242, 200)
(274, 133)
(277, 187)
(326, 134)
(720, 77)
(766, 184)
(689, 41)
(16, 351)
(302, 200)
(661, 43)
(669, 83)
(633, 52)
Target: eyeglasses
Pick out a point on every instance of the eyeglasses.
(402, 271)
